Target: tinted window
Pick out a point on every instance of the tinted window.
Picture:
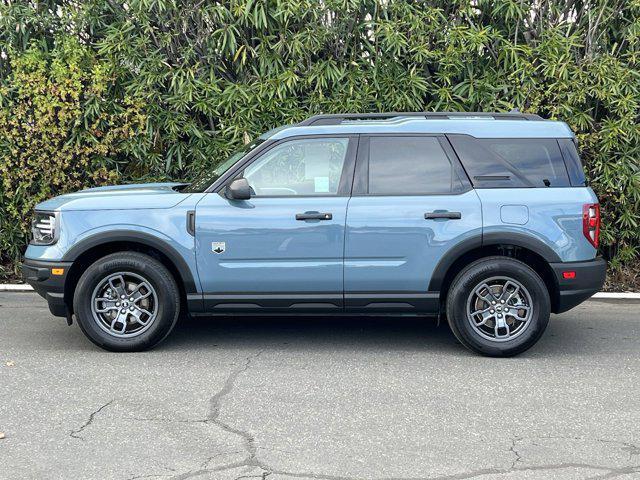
(299, 167)
(573, 163)
(511, 162)
(538, 159)
(483, 167)
(408, 166)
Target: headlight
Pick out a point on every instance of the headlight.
(45, 228)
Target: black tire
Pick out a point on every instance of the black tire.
(481, 270)
(152, 271)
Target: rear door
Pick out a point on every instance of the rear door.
(411, 203)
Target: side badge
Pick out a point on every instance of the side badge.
(218, 247)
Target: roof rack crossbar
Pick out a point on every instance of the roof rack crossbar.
(337, 118)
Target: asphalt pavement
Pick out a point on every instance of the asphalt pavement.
(319, 398)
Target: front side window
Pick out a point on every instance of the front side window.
(409, 166)
(310, 166)
(204, 181)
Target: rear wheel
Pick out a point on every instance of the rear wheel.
(498, 306)
(126, 302)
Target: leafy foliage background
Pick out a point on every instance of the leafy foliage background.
(104, 91)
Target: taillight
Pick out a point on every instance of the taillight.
(591, 222)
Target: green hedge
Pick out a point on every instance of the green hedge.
(98, 91)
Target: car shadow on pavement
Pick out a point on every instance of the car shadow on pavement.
(315, 332)
(565, 335)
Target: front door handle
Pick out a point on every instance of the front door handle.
(313, 216)
(445, 215)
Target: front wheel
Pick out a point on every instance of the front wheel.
(126, 302)
(498, 306)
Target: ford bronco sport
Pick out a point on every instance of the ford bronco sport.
(482, 217)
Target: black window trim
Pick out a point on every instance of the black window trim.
(361, 176)
(346, 178)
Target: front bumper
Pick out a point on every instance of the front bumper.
(38, 274)
(589, 278)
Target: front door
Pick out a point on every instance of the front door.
(283, 248)
(411, 204)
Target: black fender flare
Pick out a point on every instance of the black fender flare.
(494, 238)
(146, 239)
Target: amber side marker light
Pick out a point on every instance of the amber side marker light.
(57, 271)
(568, 275)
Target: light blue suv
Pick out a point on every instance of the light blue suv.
(482, 217)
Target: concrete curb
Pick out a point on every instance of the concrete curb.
(618, 295)
(15, 287)
(21, 287)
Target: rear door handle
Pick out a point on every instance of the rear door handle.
(313, 216)
(445, 215)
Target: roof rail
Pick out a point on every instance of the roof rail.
(337, 118)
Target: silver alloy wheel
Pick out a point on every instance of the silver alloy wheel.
(499, 309)
(124, 304)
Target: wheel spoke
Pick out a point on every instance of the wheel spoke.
(121, 290)
(505, 291)
(516, 312)
(485, 316)
(137, 295)
(501, 324)
(489, 297)
(146, 312)
(122, 320)
(137, 314)
(106, 309)
(480, 312)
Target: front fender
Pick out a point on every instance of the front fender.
(175, 252)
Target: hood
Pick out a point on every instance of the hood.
(118, 197)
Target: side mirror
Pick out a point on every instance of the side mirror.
(239, 189)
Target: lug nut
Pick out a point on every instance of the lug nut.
(131, 299)
(492, 311)
(501, 301)
(123, 296)
(131, 308)
(493, 303)
(499, 315)
(117, 304)
(123, 311)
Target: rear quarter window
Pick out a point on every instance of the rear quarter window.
(512, 162)
(572, 161)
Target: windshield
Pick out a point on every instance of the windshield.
(204, 181)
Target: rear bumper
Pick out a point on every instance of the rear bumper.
(589, 278)
(37, 273)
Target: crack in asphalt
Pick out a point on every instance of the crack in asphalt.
(216, 405)
(608, 472)
(252, 460)
(514, 442)
(214, 418)
(92, 415)
(137, 477)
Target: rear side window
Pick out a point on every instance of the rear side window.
(407, 165)
(512, 162)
